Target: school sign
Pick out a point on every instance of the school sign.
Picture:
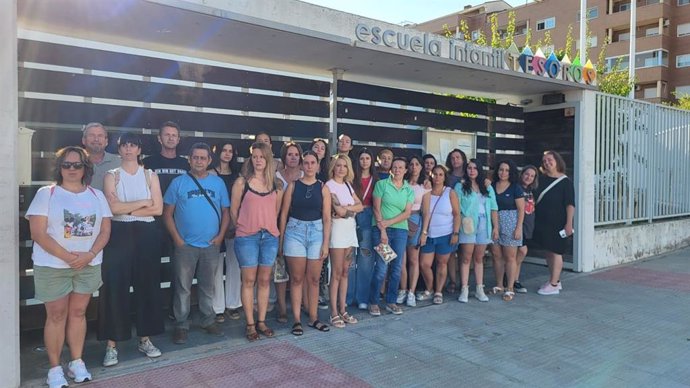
(528, 62)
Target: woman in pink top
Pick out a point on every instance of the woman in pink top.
(256, 198)
(345, 204)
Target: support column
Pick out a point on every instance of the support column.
(585, 151)
(333, 128)
(9, 199)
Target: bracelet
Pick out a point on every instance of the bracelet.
(94, 253)
(424, 232)
(456, 233)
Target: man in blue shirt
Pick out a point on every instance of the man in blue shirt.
(197, 214)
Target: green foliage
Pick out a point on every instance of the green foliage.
(510, 30)
(463, 97)
(616, 81)
(495, 35)
(465, 30)
(682, 101)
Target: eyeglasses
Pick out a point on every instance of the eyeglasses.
(307, 195)
(71, 165)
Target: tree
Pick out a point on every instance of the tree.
(682, 101)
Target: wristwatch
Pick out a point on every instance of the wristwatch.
(424, 232)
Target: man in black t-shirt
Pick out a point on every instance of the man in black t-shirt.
(168, 166)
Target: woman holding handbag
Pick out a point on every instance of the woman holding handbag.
(479, 226)
(416, 179)
(305, 229)
(554, 217)
(440, 230)
(345, 204)
(393, 198)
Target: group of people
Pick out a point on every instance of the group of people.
(386, 225)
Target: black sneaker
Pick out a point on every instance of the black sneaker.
(519, 288)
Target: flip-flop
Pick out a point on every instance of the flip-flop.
(320, 326)
(297, 329)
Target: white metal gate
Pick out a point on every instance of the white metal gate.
(642, 161)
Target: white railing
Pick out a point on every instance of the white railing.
(642, 162)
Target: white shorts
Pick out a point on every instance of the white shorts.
(343, 233)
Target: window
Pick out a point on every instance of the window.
(521, 29)
(592, 13)
(642, 60)
(651, 31)
(650, 92)
(683, 60)
(621, 6)
(546, 24)
(683, 2)
(682, 90)
(684, 29)
(651, 59)
(621, 36)
(475, 35)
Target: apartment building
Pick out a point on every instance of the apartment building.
(662, 59)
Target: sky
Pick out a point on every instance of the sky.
(398, 11)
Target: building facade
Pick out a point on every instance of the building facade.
(662, 60)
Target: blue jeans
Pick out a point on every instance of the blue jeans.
(360, 274)
(397, 239)
(257, 249)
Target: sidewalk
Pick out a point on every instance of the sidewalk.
(626, 326)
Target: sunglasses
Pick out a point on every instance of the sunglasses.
(307, 195)
(72, 165)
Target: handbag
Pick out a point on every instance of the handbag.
(280, 274)
(412, 228)
(386, 252)
(467, 225)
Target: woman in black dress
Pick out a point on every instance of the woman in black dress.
(555, 207)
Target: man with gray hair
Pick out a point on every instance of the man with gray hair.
(95, 139)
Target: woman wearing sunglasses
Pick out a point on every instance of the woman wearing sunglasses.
(305, 229)
(70, 225)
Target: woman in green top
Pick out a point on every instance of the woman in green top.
(393, 199)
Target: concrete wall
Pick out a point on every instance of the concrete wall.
(9, 237)
(627, 243)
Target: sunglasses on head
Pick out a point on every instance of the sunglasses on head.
(70, 165)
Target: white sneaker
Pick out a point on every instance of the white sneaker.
(110, 358)
(56, 378)
(464, 294)
(479, 293)
(149, 349)
(76, 370)
(402, 295)
(411, 299)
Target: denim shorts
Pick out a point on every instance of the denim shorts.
(303, 239)
(479, 237)
(257, 249)
(415, 218)
(439, 245)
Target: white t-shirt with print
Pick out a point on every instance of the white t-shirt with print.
(74, 221)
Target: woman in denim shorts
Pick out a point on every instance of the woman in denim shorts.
(439, 238)
(511, 213)
(416, 179)
(478, 226)
(305, 229)
(70, 226)
(256, 199)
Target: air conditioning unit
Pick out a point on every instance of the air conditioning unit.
(667, 22)
(638, 88)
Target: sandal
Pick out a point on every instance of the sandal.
(451, 287)
(374, 310)
(320, 326)
(251, 333)
(508, 295)
(348, 318)
(266, 331)
(497, 290)
(438, 298)
(337, 321)
(297, 329)
(282, 319)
